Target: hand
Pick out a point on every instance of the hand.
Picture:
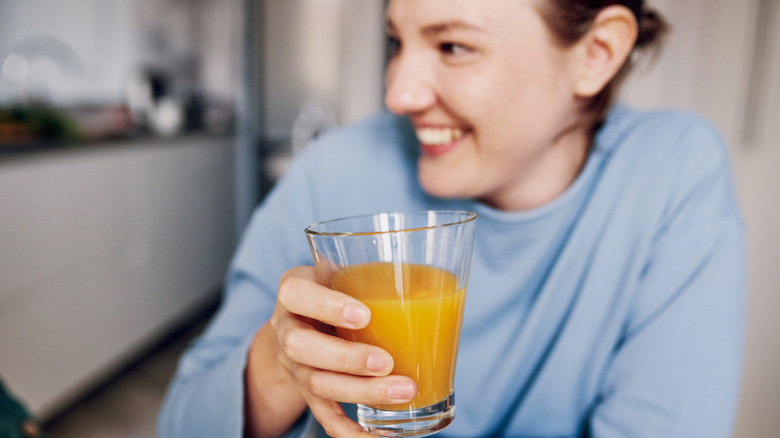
(326, 369)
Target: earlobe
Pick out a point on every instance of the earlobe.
(604, 49)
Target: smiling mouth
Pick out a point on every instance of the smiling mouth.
(439, 136)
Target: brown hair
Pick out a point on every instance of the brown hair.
(569, 20)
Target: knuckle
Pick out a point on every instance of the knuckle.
(316, 384)
(345, 356)
(287, 362)
(290, 341)
(287, 287)
(282, 358)
(313, 383)
(276, 320)
(377, 393)
(353, 361)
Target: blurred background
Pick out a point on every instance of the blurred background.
(136, 137)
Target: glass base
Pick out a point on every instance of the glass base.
(411, 422)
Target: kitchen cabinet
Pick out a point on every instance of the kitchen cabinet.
(105, 249)
(722, 61)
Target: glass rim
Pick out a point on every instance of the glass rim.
(469, 216)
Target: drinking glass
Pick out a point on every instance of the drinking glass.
(411, 270)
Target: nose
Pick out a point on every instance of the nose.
(409, 88)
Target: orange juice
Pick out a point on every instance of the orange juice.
(416, 315)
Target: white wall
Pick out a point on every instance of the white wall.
(84, 51)
(196, 39)
(329, 51)
(711, 66)
(78, 49)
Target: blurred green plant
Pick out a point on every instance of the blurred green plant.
(20, 123)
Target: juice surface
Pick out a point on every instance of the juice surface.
(416, 315)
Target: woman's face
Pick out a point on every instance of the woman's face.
(490, 96)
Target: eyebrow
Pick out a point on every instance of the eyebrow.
(448, 26)
(439, 28)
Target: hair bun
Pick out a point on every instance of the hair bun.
(652, 29)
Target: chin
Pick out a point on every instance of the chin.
(448, 186)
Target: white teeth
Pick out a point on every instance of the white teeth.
(438, 136)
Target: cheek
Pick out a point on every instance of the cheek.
(523, 116)
(506, 128)
(492, 98)
(468, 92)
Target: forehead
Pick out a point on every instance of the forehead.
(496, 15)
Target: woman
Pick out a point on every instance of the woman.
(606, 289)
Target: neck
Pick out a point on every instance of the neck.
(548, 175)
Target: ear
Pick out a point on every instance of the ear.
(603, 50)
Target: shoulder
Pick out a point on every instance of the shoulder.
(383, 143)
(361, 167)
(664, 148)
(667, 165)
(381, 134)
(662, 135)
(382, 147)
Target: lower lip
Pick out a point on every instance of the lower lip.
(436, 150)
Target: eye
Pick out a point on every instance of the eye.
(454, 49)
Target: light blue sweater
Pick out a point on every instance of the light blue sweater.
(616, 310)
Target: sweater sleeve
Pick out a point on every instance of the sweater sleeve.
(206, 395)
(676, 370)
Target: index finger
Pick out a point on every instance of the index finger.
(300, 294)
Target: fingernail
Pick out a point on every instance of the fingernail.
(400, 391)
(377, 362)
(356, 315)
